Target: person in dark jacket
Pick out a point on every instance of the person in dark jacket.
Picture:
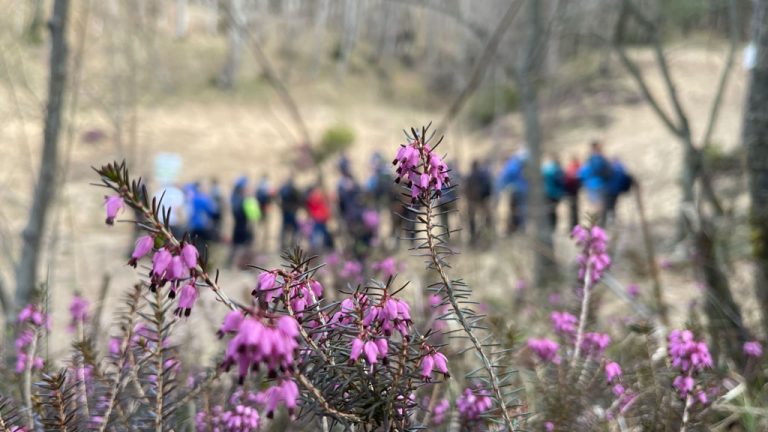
(478, 188)
(241, 229)
(290, 202)
(554, 187)
(572, 187)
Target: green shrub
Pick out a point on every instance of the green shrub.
(483, 107)
(335, 139)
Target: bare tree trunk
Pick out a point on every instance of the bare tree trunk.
(182, 19)
(755, 138)
(321, 18)
(348, 37)
(32, 236)
(236, 24)
(724, 321)
(537, 202)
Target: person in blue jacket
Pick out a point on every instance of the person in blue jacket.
(619, 183)
(554, 187)
(202, 211)
(513, 176)
(594, 175)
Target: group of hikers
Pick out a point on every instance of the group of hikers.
(355, 217)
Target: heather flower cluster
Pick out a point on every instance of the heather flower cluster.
(472, 404)
(301, 293)
(30, 320)
(432, 361)
(595, 343)
(545, 349)
(594, 256)
(753, 349)
(376, 320)
(564, 323)
(78, 311)
(689, 357)
(172, 265)
(260, 341)
(422, 169)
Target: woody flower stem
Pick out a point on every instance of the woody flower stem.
(28, 381)
(461, 318)
(686, 414)
(582, 315)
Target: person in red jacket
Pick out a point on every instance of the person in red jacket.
(320, 212)
(572, 186)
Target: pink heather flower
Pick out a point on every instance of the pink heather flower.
(144, 245)
(633, 290)
(161, 261)
(257, 344)
(288, 326)
(114, 346)
(612, 371)
(31, 314)
(753, 349)
(231, 323)
(317, 288)
(423, 168)
(387, 267)
(189, 255)
(357, 349)
(371, 219)
(549, 426)
(441, 364)
(427, 365)
(177, 269)
(267, 282)
(113, 204)
(187, 299)
(521, 285)
(78, 310)
(351, 270)
(683, 384)
(371, 352)
(473, 403)
(383, 346)
(594, 254)
(618, 390)
(545, 349)
(564, 323)
(595, 343)
(686, 353)
(702, 397)
(438, 413)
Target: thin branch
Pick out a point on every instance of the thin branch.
(459, 312)
(634, 70)
(733, 28)
(482, 64)
(272, 78)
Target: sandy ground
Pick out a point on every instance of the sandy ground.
(228, 137)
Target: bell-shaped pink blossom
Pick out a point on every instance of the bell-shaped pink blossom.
(612, 371)
(288, 326)
(266, 283)
(371, 352)
(427, 365)
(161, 261)
(113, 205)
(187, 299)
(231, 322)
(383, 346)
(144, 245)
(357, 349)
(189, 255)
(317, 288)
(441, 364)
